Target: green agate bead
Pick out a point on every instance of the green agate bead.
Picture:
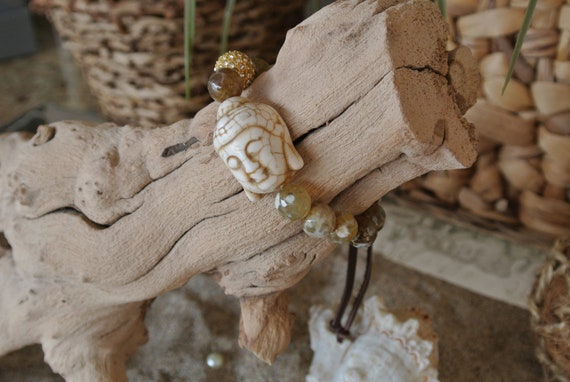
(293, 202)
(346, 228)
(225, 83)
(320, 221)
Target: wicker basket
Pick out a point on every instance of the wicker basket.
(522, 176)
(131, 51)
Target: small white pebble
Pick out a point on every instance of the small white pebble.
(215, 360)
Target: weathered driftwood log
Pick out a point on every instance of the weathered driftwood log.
(96, 221)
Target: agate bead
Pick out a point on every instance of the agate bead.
(260, 65)
(240, 62)
(293, 201)
(320, 221)
(224, 83)
(367, 232)
(346, 228)
(369, 223)
(377, 214)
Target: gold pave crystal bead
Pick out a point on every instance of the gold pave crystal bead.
(293, 202)
(224, 84)
(240, 62)
(320, 221)
(346, 228)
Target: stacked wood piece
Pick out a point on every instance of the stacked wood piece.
(132, 51)
(523, 171)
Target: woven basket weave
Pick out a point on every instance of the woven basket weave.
(131, 51)
(549, 306)
(522, 176)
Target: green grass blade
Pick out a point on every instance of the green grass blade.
(442, 4)
(313, 6)
(520, 38)
(189, 35)
(228, 12)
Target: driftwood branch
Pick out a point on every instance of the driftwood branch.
(95, 221)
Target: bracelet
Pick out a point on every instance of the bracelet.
(254, 142)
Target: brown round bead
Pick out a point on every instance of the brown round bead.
(260, 65)
(369, 223)
(377, 214)
(367, 231)
(224, 83)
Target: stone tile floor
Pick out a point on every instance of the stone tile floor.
(481, 339)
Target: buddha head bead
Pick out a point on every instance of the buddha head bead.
(254, 143)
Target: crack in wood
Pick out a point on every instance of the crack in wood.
(420, 69)
(179, 147)
(174, 245)
(339, 114)
(227, 197)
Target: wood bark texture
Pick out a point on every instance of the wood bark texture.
(96, 221)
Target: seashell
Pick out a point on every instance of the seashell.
(550, 216)
(556, 172)
(491, 23)
(521, 174)
(545, 69)
(564, 18)
(500, 125)
(384, 347)
(254, 142)
(550, 97)
(542, 4)
(479, 47)
(494, 65)
(555, 145)
(524, 68)
(472, 201)
(446, 184)
(516, 97)
(545, 18)
(540, 43)
(461, 7)
(563, 53)
(562, 71)
(509, 152)
(487, 182)
(559, 123)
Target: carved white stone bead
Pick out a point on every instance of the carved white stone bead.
(254, 142)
